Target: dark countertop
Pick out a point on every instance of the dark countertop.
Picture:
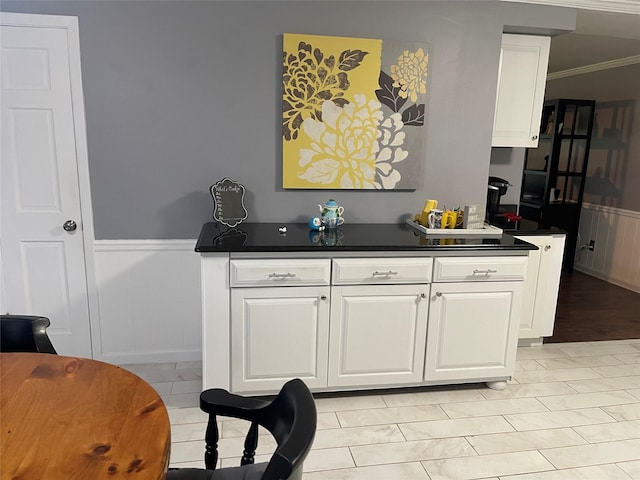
(527, 227)
(265, 237)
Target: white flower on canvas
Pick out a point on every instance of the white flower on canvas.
(349, 146)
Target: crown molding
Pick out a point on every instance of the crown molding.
(617, 6)
(596, 67)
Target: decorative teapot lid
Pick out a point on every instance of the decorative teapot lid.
(331, 203)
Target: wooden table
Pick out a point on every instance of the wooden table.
(76, 418)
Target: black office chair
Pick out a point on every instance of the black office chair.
(25, 333)
(291, 418)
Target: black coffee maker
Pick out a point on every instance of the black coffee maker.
(496, 188)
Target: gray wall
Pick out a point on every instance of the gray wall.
(507, 163)
(181, 94)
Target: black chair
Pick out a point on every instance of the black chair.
(290, 417)
(25, 333)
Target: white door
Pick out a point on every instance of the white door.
(377, 334)
(473, 330)
(277, 334)
(522, 77)
(541, 285)
(43, 265)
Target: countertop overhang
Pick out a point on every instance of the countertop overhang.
(381, 237)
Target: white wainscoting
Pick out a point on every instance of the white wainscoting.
(150, 304)
(616, 257)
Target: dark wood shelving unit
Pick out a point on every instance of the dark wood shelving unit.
(554, 173)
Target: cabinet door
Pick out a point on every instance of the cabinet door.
(473, 330)
(530, 286)
(278, 334)
(521, 82)
(541, 286)
(377, 334)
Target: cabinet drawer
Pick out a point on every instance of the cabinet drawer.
(354, 271)
(263, 273)
(479, 269)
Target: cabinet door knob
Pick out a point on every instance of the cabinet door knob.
(323, 297)
(535, 137)
(547, 248)
(423, 295)
(438, 294)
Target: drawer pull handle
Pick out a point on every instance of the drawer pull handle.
(387, 273)
(485, 272)
(282, 275)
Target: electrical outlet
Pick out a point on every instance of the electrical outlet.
(592, 245)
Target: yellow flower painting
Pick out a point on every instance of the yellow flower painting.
(346, 123)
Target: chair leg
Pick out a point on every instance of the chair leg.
(250, 445)
(211, 440)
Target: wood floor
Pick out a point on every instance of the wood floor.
(590, 309)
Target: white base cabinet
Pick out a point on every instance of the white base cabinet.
(342, 322)
(471, 332)
(279, 333)
(377, 334)
(541, 285)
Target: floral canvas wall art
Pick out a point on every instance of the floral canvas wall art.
(353, 113)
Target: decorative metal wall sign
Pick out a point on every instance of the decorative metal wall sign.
(228, 202)
(353, 113)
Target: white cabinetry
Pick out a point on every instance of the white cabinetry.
(278, 333)
(521, 83)
(348, 322)
(379, 310)
(472, 331)
(541, 285)
(377, 334)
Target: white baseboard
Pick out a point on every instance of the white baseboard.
(125, 358)
(609, 279)
(149, 301)
(616, 256)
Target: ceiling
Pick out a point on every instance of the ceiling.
(599, 37)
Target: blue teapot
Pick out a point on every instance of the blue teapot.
(331, 214)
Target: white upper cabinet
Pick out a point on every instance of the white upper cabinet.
(521, 82)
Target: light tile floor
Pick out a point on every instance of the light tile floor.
(571, 412)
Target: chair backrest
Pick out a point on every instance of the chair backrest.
(25, 333)
(292, 419)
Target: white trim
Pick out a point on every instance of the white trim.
(152, 357)
(612, 210)
(616, 233)
(34, 20)
(618, 6)
(145, 245)
(70, 24)
(608, 278)
(150, 299)
(596, 67)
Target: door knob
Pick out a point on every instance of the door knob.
(69, 226)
